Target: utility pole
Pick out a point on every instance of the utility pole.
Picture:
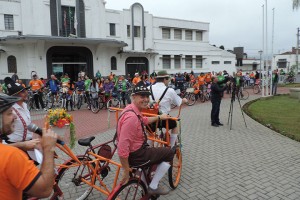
(263, 49)
(297, 52)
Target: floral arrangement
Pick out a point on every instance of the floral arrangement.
(60, 118)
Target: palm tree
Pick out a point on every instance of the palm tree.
(296, 4)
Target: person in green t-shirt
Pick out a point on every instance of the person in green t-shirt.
(65, 79)
(221, 78)
(4, 88)
(98, 75)
(87, 84)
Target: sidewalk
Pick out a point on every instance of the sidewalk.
(244, 163)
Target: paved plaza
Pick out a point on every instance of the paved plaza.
(218, 163)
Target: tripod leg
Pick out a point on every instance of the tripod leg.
(231, 115)
(242, 111)
(230, 110)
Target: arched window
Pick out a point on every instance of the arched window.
(113, 63)
(12, 64)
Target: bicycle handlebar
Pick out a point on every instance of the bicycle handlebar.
(151, 115)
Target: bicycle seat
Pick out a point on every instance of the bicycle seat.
(86, 141)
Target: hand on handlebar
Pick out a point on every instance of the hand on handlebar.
(164, 116)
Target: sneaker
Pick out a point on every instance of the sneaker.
(220, 124)
(45, 109)
(158, 191)
(37, 109)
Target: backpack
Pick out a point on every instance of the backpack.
(154, 107)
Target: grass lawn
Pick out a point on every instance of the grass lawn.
(290, 85)
(281, 113)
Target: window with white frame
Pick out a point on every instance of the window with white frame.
(11, 64)
(166, 60)
(188, 35)
(128, 30)
(137, 31)
(215, 62)
(112, 29)
(188, 62)
(9, 22)
(177, 34)
(166, 33)
(227, 62)
(177, 61)
(199, 35)
(199, 61)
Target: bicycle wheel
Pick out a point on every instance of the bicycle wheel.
(243, 95)
(68, 181)
(174, 172)
(101, 102)
(134, 189)
(79, 102)
(94, 105)
(115, 103)
(256, 89)
(191, 99)
(202, 98)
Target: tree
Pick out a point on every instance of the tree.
(296, 4)
(222, 47)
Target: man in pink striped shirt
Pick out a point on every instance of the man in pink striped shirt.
(132, 141)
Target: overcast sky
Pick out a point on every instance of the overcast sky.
(232, 22)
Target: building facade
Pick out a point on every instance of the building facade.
(68, 36)
(285, 61)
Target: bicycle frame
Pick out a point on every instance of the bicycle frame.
(94, 171)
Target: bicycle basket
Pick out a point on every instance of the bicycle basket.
(105, 151)
(190, 90)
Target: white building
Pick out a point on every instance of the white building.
(286, 60)
(66, 36)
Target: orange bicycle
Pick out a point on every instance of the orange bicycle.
(162, 138)
(78, 175)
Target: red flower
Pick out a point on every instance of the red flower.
(61, 123)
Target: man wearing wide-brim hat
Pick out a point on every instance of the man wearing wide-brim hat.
(21, 137)
(170, 97)
(132, 144)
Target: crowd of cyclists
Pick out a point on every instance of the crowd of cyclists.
(98, 90)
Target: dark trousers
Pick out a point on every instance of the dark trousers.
(38, 98)
(274, 88)
(215, 111)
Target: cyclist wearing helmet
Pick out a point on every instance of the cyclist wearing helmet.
(17, 172)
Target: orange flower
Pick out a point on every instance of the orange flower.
(61, 123)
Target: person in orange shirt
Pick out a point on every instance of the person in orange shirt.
(18, 174)
(111, 76)
(36, 86)
(136, 79)
(201, 81)
(152, 79)
(208, 77)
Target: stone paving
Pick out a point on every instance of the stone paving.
(218, 163)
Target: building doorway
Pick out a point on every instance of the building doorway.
(70, 60)
(136, 65)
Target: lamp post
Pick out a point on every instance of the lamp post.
(260, 74)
